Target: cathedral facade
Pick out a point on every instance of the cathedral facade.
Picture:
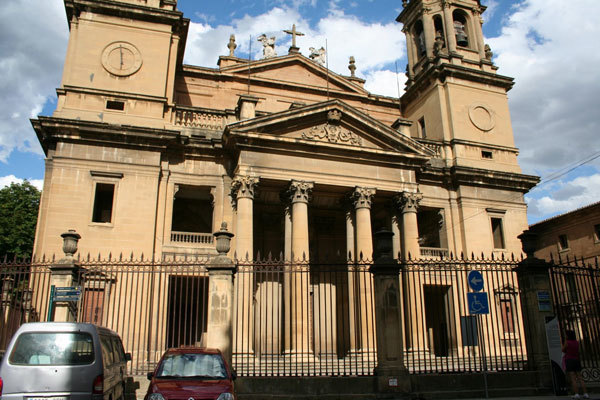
(147, 155)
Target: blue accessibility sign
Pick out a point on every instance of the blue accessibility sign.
(475, 280)
(478, 303)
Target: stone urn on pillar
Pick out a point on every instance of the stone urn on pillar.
(220, 295)
(65, 273)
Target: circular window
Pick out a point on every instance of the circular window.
(121, 59)
(482, 117)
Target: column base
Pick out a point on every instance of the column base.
(300, 356)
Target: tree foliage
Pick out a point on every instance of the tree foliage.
(19, 205)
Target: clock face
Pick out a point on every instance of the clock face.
(121, 59)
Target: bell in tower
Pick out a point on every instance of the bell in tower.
(461, 36)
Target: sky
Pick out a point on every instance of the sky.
(548, 46)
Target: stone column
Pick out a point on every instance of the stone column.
(242, 193)
(478, 33)
(408, 203)
(362, 198)
(287, 254)
(533, 277)
(409, 54)
(65, 273)
(300, 193)
(220, 295)
(352, 282)
(429, 34)
(391, 373)
(449, 28)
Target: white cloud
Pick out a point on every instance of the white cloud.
(34, 37)
(570, 195)
(7, 180)
(385, 82)
(550, 47)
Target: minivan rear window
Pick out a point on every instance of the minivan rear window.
(53, 348)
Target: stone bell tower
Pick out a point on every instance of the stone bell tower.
(453, 93)
(121, 61)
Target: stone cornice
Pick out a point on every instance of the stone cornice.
(51, 130)
(456, 176)
(126, 10)
(111, 93)
(432, 73)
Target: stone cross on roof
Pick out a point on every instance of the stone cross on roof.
(294, 33)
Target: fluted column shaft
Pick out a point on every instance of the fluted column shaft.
(300, 193)
(362, 198)
(242, 193)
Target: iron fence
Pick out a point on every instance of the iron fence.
(289, 319)
(313, 319)
(576, 295)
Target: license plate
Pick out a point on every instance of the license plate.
(49, 398)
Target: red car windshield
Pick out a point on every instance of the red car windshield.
(192, 365)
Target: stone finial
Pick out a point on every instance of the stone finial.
(318, 55)
(231, 45)
(70, 239)
(334, 117)
(488, 52)
(404, 3)
(268, 46)
(223, 239)
(528, 242)
(352, 66)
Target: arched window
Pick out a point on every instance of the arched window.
(420, 39)
(460, 28)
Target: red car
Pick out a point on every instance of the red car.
(191, 373)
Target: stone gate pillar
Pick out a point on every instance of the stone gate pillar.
(391, 372)
(220, 295)
(65, 273)
(533, 277)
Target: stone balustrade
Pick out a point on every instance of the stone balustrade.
(191, 237)
(199, 119)
(434, 252)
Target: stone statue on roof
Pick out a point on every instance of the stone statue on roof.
(268, 46)
(318, 55)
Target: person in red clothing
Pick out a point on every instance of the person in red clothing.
(572, 364)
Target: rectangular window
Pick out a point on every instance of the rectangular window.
(487, 155)
(597, 233)
(506, 311)
(115, 105)
(422, 126)
(103, 202)
(563, 242)
(498, 233)
(53, 348)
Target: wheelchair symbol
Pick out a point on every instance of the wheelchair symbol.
(478, 303)
(477, 306)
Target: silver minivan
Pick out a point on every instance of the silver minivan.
(63, 361)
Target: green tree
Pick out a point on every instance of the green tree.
(19, 205)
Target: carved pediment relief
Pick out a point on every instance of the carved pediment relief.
(332, 132)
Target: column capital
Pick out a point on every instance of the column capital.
(243, 186)
(408, 201)
(300, 191)
(362, 197)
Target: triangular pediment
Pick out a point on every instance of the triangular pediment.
(330, 126)
(295, 69)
